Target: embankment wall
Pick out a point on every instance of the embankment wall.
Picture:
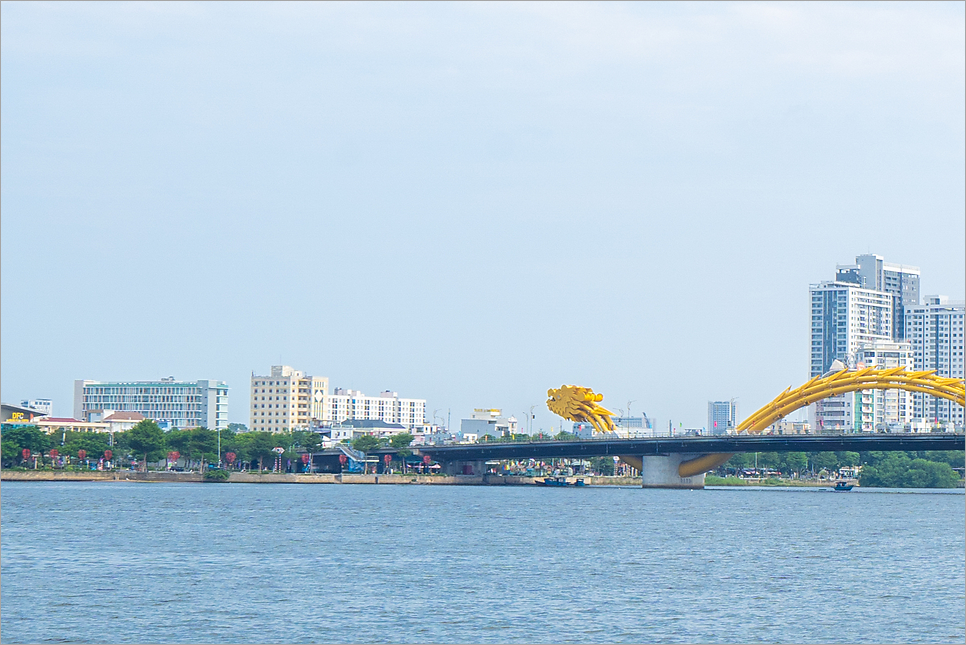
(285, 478)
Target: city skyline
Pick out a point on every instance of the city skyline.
(469, 204)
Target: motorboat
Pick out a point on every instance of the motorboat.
(561, 481)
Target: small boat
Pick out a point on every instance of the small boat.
(561, 481)
(843, 484)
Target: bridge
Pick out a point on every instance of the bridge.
(682, 462)
(454, 457)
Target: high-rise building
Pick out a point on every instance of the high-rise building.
(935, 331)
(722, 416)
(287, 400)
(899, 280)
(171, 403)
(845, 317)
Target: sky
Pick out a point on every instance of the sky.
(465, 203)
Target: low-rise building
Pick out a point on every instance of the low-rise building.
(488, 422)
(43, 406)
(789, 427)
(18, 414)
(54, 425)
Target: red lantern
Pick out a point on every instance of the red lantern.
(305, 458)
(26, 453)
(343, 459)
(427, 459)
(82, 454)
(108, 454)
(387, 459)
(173, 455)
(230, 457)
(54, 452)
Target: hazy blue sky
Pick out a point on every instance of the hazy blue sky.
(467, 203)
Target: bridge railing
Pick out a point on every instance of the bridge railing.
(603, 437)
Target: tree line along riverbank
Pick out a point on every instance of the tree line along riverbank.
(922, 469)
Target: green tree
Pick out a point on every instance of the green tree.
(401, 440)
(740, 460)
(237, 427)
(179, 440)
(795, 462)
(602, 465)
(17, 437)
(771, 460)
(364, 444)
(146, 439)
(93, 443)
(203, 444)
(847, 458)
(898, 470)
(563, 435)
(825, 461)
(955, 458)
(307, 441)
(260, 447)
(401, 443)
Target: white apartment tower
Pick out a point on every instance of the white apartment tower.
(286, 400)
(845, 317)
(900, 281)
(935, 331)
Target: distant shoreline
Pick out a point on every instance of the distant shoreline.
(351, 478)
(291, 478)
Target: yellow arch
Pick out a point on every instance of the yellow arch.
(822, 387)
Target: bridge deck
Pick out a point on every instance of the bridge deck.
(699, 445)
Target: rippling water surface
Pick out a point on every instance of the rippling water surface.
(182, 563)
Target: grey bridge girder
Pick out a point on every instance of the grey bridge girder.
(695, 445)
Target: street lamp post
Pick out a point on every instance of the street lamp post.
(219, 446)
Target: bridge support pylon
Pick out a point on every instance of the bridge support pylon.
(661, 471)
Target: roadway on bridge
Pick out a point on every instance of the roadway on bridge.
(694, 445)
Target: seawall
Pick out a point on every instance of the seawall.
(286, 478)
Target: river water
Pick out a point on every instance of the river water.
(185, 563)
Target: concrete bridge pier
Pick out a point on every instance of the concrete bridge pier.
(661, 471)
